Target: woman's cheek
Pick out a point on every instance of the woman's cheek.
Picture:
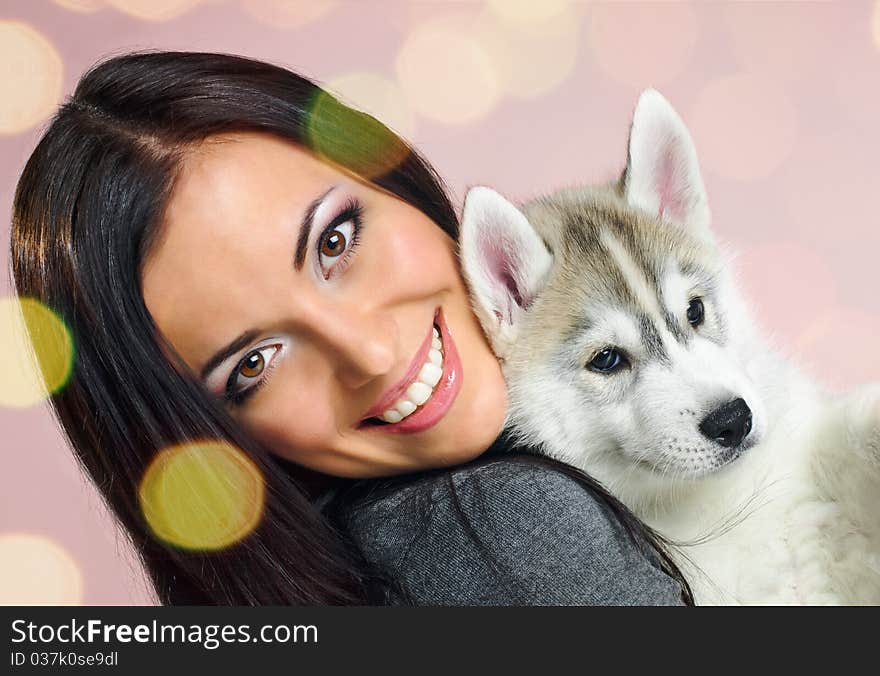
(294, 422)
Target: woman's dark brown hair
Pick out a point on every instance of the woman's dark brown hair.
(86, 212)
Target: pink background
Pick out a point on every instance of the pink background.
(782, 99)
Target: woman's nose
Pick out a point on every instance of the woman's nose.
(360, 342)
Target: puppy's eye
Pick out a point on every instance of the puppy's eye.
(696, 312)
(607, 361)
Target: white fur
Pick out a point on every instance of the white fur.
(792, 517)
(663, 176)
(634, 277)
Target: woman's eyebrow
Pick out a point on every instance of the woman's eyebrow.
(225, 352)
(246, 337)
(306, 228)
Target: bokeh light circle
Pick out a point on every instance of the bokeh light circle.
(352, 139)
(36, 352)
(376, 95)
(875, 24)
(643, 44)
(35, 570)
(829, 189)
(203, 495)
(839, 326)
(529, 12)
(288, 13)
(756, 30)
(82, 6)
(744, 126)
(153, 10)
(445, 72)
(775, 276)
(30, 77)
(531, 59)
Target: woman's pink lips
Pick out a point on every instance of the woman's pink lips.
(393, 394)
(447, 388)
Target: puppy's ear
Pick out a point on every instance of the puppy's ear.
(504, 262)
(662, 172)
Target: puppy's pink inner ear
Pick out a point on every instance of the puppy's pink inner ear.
(671, 183)
(500, 259)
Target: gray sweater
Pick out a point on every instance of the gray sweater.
(506, 533)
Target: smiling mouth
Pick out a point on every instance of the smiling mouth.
(427, 394)
(420, 390)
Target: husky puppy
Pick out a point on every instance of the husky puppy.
(629, 352)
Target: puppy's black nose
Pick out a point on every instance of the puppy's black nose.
(728, 424)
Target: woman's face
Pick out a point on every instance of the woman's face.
(307, 301)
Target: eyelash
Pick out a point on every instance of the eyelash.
(351, 211)
(238, 398)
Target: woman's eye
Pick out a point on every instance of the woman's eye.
(607, 361)
(253, 367)
(339, 240)
(696, 313)
(334, 243)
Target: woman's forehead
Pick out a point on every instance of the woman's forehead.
(240, 164)
(233, 186)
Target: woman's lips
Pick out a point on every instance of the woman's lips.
(445, 392)
(393, 394)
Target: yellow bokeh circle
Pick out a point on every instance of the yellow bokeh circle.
(35, 570)
(377, 95)
(352, 139)
(36, 352)
(30, 77)
(203, 495)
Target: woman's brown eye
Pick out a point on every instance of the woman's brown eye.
(253, 365)
(334, 244)
(337, 241)
(255, 368)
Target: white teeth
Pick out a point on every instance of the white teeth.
(418, 393)
(392, 416)
(404, 407)
(420, 390)
(430, 374)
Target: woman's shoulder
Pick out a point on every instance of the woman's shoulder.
(507, 490)
(510, 531)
